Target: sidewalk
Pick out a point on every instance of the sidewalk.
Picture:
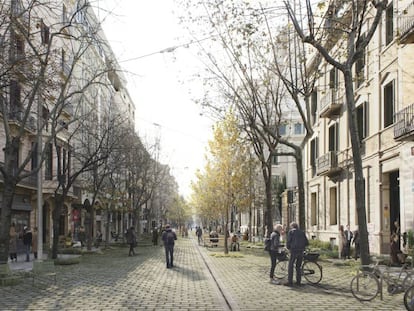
(199, 281)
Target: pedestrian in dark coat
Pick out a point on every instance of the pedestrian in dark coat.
(169, 237)
(274, 251)
(296, 243)
(131, 238)
(27, 241)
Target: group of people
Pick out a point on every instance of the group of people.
(346, 239)
(29, 241)
(296, 242)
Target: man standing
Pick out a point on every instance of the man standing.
(169, 237)
(349, 235)
(274, 250)
(27, 241)
(296, 243)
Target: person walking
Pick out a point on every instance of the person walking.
(34, 242)
(13, 242)
(341, 242)
(355, 241)
(169, 237)
(348, 239)
(82, 236)
(27, 241)
(296, 243)
(199, 233)
(274, 251)
(155, 236)
(131, 238)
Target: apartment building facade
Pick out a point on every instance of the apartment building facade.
(81, 87)
(384, 111)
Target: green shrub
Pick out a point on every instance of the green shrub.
(318, 244)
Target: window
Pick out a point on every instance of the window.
(314, 106)
(389, 104)
(275, 159)
(360, 67)
(313, 154)
(333, 78)
(18, 47)
(332, 206)
(362, 120)
(298, 129)
(275, 182)
(314, 208)
(15, 97)
(389, 24)
(44, 32)
(333, 137)
(282, 129)
(34, 156)
(49, 162)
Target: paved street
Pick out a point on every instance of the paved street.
(200, 281)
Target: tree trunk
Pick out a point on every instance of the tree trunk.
(301, 188)
(5, 220)
(56, 217)
(268, 185)
(359, 183)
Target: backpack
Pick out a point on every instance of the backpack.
(170, 238)
(267, 243)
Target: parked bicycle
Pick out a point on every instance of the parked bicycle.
(311, 270)
(369, 281)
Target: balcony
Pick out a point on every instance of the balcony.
(404, 124)
(327, 165)
(406, 23)
(331, 104)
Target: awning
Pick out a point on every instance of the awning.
(20, 206)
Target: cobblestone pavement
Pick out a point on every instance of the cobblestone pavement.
(200, 281)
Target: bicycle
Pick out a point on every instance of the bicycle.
(409, 298)
(311, 270)
(369, 281)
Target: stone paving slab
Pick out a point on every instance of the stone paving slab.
(114, 281)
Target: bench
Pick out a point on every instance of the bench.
(213, 242)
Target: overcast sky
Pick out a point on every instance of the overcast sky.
(159, 83)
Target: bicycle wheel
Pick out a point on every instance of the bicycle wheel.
(281, 269)
(365, 286)
(312, 272)
(408, 281)
(409, 298)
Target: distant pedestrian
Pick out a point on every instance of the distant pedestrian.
(27, 241)
(355, 241)
(82, 235)
(296, 243)
(199, 233)
(131, 238)
(274, 251)
(341, 242)
(34, 242)
(348, 239)
(13, 242)
(155, 236)
(169, 237)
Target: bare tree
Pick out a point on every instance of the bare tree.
(344, 19)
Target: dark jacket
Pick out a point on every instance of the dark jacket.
(297, 240)
(27, 238)
(166, 240)
(275, 241)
